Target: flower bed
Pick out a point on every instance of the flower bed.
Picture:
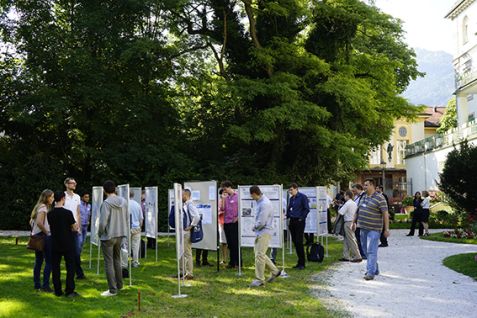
(460, 234)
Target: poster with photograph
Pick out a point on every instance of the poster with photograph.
(312, 218)
(96, 201)
(205, 210)
(247, 213)
(322, 204)
(151, 211)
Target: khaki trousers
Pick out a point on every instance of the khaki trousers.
(350, 246)
(187, 256)
(261, 258)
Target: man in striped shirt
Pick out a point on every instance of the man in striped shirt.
(373, 213)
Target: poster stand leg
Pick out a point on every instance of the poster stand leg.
(179, 295)
(97, 265)
(157, 237)
(130, 259)
(326, 245)
(90, 252)
(240, 262)
(283, 273)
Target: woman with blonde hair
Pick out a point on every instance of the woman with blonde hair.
(40, 226)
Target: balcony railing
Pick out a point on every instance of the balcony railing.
(452, 137)
(463, 79)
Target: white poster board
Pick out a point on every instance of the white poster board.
(178, 213)
(170, 204)
(322, 211)
(137, 191)
(247, 215)
(150, 217)
(204, 197)
(311, 219)
(96, 201)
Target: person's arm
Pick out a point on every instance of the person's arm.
(343, 209)
(78, 216)
(385, 212)
(306, 205)
(194, 214)
(103, 218)
(263, 213)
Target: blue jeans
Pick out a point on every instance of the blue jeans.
(84, 232)
(39, 257)
(369, 244)
(77, 255)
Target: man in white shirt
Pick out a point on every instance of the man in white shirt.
(358, 193)
(350, 247)
(72, 203)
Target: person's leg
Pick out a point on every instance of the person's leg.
(346, 241)
(364, 242)
(189, 264)
(228, 235)
(235, 243)
(372, 252)
(260, 256)
(70, 271)
(273, 255)
(205, 257)
(135, 245)
(350, 240)
(383, 239)
(78, 269)
(107, 248)
(118, 274)
(47, 269)
(357, 234)
(300, 250)
(198, 253)
(293, 227)
(84, 233)
(413, 226)
(55, 271)
(37, 269)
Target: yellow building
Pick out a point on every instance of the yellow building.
(387, 164)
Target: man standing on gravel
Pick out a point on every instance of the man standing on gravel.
(373, 213)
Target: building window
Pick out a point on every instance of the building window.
(402, 131)
(401, 151)
(375, 156)
(465, 30)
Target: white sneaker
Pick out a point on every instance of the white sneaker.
(107, 294)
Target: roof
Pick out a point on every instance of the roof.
(458, 7)
(434, 115)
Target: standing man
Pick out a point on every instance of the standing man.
(85, 213)
(192, 218)
(136, 223)
(373, 213)
(63, 229)
(350, 247)
(298, 209)
(112, 228)
(72, 203)
(263, 229)
(358, 194)
(231, 223)
(383, 239)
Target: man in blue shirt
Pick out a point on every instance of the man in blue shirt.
(137, 219)
(297, 210)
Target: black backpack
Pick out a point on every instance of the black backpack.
(315, 252)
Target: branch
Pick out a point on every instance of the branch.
(192, 49)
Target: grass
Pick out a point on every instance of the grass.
(220, 294)
(440, 237)
(463, 263)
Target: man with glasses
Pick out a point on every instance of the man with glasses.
(72, 203)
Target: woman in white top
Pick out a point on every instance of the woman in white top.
(425, 211)
(40, 226)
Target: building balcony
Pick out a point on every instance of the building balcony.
(450, 138)
(464, 79)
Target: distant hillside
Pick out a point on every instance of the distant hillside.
(437, 86)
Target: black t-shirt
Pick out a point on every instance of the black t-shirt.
(62, 235)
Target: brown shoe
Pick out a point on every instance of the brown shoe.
(188, 277)
(358, 260)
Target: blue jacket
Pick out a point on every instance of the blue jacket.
(298, 206)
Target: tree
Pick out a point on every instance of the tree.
(449, 119)
(456, 179)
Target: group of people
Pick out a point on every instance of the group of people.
(421, 213)
(62, 218)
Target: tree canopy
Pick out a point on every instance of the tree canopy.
(151, 92)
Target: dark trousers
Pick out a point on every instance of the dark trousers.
(383, 239)
(357, 233)
(309, 238)
(297, 229)
(200, 252)
(413, 227)
(39, 257)
(69, 257)
(231, 233)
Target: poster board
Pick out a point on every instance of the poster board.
(151, 212)
(204, 197)
(312, 219)
(322, 210)
(96, 201)
(247, 214)
(170, 203)
(137, 191)
(178, 220)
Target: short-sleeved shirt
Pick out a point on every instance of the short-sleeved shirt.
(231, 208)
(371, 209)
(136, 214)
(62, 235)
(36, 229)
(71, 203)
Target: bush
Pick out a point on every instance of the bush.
(408, 201)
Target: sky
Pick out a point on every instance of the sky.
(424, 22)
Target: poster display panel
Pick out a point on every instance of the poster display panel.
(151, 211)
(178, 213)
(96, 201)
(311, 219)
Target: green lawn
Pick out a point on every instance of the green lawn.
(439, 237)
(222, 294)
(463, 263)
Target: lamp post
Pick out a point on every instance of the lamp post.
(383, 163)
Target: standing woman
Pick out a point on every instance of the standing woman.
(425, 211)
(416, 215)
(222, 239)
(40, 226)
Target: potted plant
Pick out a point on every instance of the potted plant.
(408, 204)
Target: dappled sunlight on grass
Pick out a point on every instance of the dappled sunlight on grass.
(9, 307)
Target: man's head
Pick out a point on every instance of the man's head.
(186, 194)
(348, 195)
(59, 197)
(356, 188)
(369, 186)
(85, 197)
(293, 189)
(255, 192)
(109, 187)
(379, 189)
(70, 184)
(227, 186)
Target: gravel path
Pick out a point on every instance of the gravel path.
(413, 282)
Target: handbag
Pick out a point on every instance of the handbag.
(36, 242)
(197, 233)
